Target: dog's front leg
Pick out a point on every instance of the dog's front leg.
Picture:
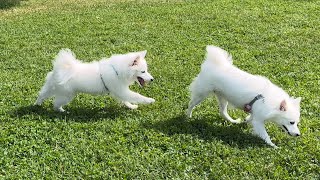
(133, 97)
(260, 130)
(248, 119)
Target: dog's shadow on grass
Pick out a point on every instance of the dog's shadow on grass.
(209, 129)
(85, 114)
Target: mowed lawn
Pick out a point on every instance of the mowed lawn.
(101, 139)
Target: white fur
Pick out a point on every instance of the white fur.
(71, 76)
(237, 87)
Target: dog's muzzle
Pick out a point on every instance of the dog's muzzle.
(291, 134)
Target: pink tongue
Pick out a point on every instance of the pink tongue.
(141, 81)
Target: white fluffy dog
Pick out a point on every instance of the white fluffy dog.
(254, 94)
(109, 76)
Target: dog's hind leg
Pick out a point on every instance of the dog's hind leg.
(223, 107)
(195, 100)
(129, 105)
(43, 95)
(46, 91)
(61, 100)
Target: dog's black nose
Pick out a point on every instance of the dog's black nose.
(151, 79)
(297, 134)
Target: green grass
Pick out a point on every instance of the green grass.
(99, 138)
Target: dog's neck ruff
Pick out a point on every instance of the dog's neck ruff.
(104, 84)
(248, 107)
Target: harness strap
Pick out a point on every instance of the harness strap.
(104, 84)
(248, 107)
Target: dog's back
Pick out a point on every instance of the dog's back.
(235, 85)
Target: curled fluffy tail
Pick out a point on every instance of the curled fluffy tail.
(218, 55)
(64, 66)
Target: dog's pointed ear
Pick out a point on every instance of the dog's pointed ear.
(143, 54)
(283, 105)
(140, 55)
(135, 61)
(298, 100)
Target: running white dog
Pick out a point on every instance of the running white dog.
(109, 76)
(254, 94)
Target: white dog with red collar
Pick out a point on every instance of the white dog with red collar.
(254, 94)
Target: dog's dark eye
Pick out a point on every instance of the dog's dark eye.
(143, 71)
(291, 122)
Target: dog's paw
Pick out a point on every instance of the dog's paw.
(132, 106)
(235, 121)
(149, 100)
(274, 146)
(61, 110)
(189, 113)
(37, 103)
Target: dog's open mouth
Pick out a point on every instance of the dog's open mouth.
(141, 81)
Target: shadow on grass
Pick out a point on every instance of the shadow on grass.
(85, 114)
(208, 130)
(7, 4)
